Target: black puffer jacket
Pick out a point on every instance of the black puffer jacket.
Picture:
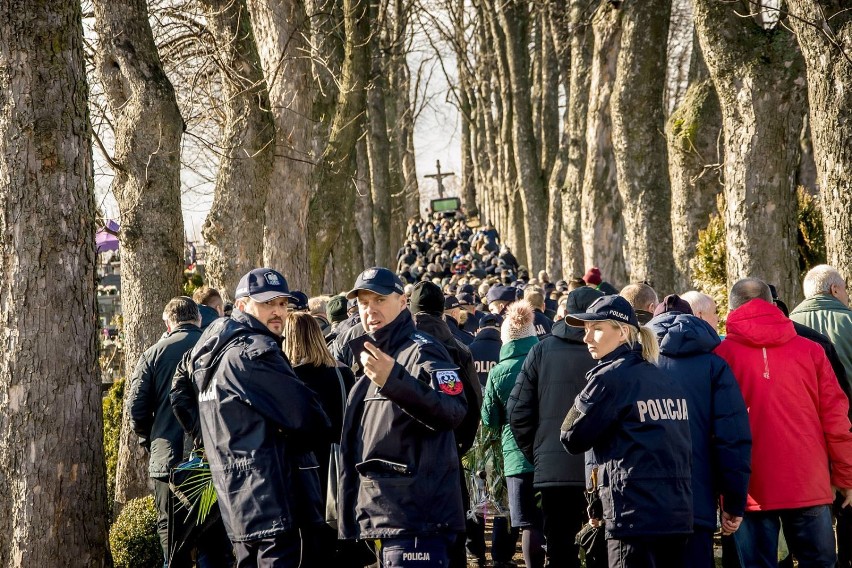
(150, 408)
(400, 468)
(258, 421)
(554, 373)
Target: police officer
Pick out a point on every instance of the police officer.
(399, 482)
(486, 346)
(635, 420)
(256, 419)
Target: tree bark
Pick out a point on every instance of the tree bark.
(233, 230)
(694, 145)
(148, 129)
(556, 65)
(53, 502)
(333, 192)
(581, 46)
(603, 228)
(759, 77)
(829, 72)
(364, 203)
(514, 18)
(281, 30)
(640, 147)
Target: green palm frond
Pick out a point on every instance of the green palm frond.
(196, 493)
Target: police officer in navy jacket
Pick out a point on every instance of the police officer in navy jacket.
(635, 420)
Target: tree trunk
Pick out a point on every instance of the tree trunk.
(364, 203)
(640, 147)
(281, 31)
(233, 229)
(53, 501)
(829, 74)
(759, 77)
(333, 194)
(556, 64)
(514, 18)
(603, 228)
(581, 46)
(148, 129)
(693, 133)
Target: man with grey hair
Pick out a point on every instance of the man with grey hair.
(150, 409)
(802, 444)
(703, 307)
(826, 310)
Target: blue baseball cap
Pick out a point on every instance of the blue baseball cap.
(490, 320)
(379, 280)
(612, 307)
(299, 301)
(502, 293)
(262, 285)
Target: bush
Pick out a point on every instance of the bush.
(133, 538)
(811, 237)
(113, 403)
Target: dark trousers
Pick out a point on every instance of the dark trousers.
(809, 534)
(647, 552)
(162, 499)
(563, 511)
(699, 548)
(281, 551)
(844, 533)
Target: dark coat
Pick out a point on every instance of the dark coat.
(635, 420)
(151, 413)
(258, 421)
(208, 315)
(485, 350)
(460, 334)
(543, 324)
(553, 374)
(400, 467)
(718, 420)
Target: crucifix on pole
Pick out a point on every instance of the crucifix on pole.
(439, 177)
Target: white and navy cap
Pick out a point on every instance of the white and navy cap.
(612, 307)
(263, 285)
(379, 280)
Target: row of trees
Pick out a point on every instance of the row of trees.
(302, 115)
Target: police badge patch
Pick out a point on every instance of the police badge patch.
(272, 279)
(449, 382)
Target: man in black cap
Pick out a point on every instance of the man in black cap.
(256, 419)
(467, 302)
(399, 481)
(486, 346)
(335, 311)
(452, 310)
(499, 297)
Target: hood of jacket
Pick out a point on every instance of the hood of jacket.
(517, 348)
(564, 331)
(219, 335)
(759, 324)
(682, 335)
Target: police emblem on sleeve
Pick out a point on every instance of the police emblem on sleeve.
(449, 382)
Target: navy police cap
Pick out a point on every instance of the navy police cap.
(612, 307)
(379, 280)
(263, 285)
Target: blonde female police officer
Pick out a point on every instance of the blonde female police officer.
(635, 421)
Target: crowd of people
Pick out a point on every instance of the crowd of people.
(630, 432)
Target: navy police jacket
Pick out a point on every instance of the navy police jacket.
(486, 352)
(400, 470)
(635, 420)
(257, 420)
(718, 420)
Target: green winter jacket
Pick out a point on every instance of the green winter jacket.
(829, 316)
(501, 379)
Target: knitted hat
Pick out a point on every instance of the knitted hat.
(672, 303)
(335, 309)
(427, 297)
(518, 322)
(593, 276)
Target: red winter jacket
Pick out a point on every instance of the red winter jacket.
(797, 411)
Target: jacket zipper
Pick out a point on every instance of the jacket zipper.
(765, 365)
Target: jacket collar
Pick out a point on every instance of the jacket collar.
(488, 334)
(517, 348)
(253, 324)
(394, 334)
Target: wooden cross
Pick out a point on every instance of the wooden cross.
(439, 178)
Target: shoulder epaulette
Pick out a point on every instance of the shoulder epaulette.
(420, 339)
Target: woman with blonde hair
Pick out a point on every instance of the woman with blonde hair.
(634, 420)
(304, 346)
